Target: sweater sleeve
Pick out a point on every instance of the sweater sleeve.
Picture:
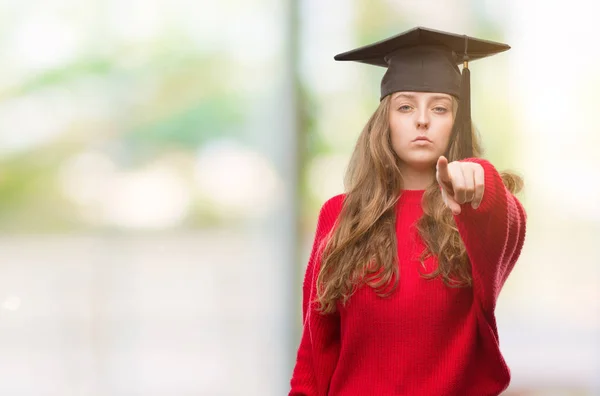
(493, 235)
(319, 345)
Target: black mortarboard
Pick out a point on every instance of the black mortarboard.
(426, 60)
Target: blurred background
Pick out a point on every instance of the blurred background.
(162, 164)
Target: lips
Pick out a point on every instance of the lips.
(422, 138)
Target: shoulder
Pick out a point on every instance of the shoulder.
(334, 204)
(330, 211)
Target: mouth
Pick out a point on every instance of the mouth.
(422, 139)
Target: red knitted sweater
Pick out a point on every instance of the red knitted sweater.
(426, 339)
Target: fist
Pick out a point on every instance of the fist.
(461, 182)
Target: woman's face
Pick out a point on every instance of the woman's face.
(420, 124)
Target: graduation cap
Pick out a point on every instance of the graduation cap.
(426, 60)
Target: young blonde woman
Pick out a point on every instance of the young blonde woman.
(406, 267)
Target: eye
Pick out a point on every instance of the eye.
(440, 109)
(405, 108)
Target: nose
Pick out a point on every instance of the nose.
(422, 120)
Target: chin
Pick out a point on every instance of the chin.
(421, 162)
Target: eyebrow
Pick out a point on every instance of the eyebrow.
(411, 96)
(404, 95)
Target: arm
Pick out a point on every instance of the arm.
(319, 346)
(493, 232)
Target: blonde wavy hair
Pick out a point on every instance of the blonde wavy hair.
(361, 248)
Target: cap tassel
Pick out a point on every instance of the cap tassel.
(465, 138)
(461, 142)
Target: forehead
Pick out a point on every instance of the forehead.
(421, 95)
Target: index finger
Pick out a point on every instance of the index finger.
(443, 173)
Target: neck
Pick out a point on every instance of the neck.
(417, 179)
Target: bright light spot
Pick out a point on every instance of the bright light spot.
(152, 198)
(12, 303)
(137, 20)
(43, 42)
(237, 179)
(86, 177)
(326, 176)
(30, 121)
